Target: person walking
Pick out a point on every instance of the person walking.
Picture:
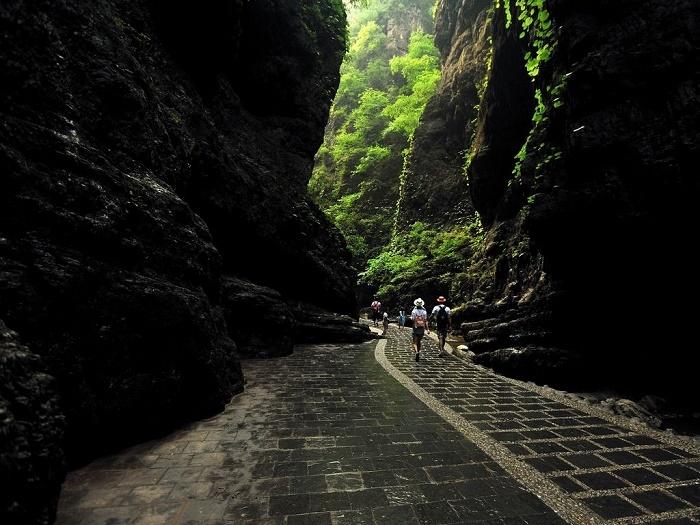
(385, 322)
(419, 316)
(402, 318)
(376, 307)
(443, 322)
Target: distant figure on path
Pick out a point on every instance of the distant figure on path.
(376, 307)
(385, 322)
(402, 318)
(419, 316)
(443, 322)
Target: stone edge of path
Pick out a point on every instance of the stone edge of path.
(567, 508)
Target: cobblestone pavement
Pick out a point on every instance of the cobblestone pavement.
(327, 436)
(323, 436)
(590, 466)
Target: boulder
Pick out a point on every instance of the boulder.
(553, 366)
(314, 325)
(258, 319)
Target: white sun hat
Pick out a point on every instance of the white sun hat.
(419, 302)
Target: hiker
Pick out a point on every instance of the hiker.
(402, 318)
(419, 316)
(385, 322)
(443, 322)
(376, 307)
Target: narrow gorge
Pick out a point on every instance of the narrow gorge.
(186, 187)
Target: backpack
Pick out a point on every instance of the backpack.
(441, 318)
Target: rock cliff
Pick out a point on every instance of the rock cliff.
(150, 151)
(435, 189)
(582, 170)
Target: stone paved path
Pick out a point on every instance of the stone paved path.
(328, 436)
(607, 468)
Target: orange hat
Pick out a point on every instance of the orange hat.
(441, 299)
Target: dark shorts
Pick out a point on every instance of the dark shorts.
(418, 334)
(442, 333)
(375, 315)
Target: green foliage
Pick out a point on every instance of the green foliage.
(537, 31)
(326, 23)
(378, 106)
(417, 254)
(420, 68)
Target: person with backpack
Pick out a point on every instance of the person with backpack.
(443, 322)
(376, 308)
(419, 316)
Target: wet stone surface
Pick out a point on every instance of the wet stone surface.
(327, 436)
(324, 436)
(617, 472)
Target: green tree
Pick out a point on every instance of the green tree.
(377, 108)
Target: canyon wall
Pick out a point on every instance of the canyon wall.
(150, 152)
(582, 170)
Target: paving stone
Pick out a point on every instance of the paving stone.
(307, 484)
(379, 478)
(657, 501)
(657, 454)
(368, 498)
(612, 442)
(436, 513)
(690, 493)
(677, 472)
(398, 514)
(329, 501)
(292, 504)
(568, 484)
(321, 518)
(640, 476)
(586, 461)
(622, 457)
(551, 464)
(405, 495)
(344, 481)
(580, 445)
(611, 507)
(327, 436)
(601, 481)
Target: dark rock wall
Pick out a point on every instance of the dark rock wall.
(31, 432)
(588, 250)
(435, 189)
(146, 149)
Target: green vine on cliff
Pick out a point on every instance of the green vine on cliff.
(537, 31)
(402, 187)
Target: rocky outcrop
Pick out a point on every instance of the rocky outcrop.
(314, 325)
(258, 319)
(537, 363)
(31, 431)
(147, 148)
(435, 189)
(588, 189)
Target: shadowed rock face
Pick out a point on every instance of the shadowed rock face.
(589, 252)
(436, 190)
(31, 430)
(145, 149)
